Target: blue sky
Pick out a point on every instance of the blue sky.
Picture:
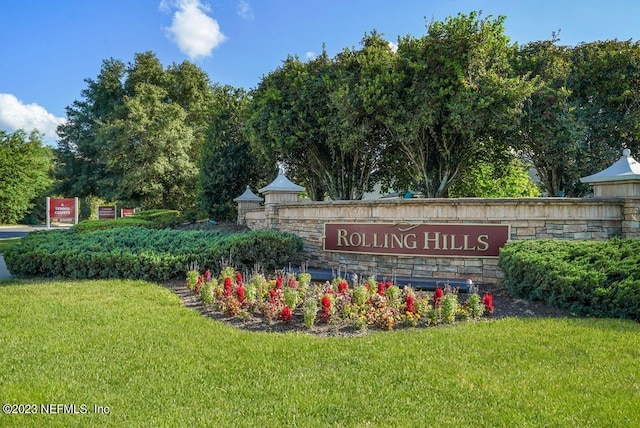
(48, 47)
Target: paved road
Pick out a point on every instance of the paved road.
(14, 231)
(4, 273)
(12, 234)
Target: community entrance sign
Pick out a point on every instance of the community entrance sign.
(106, 212)
(62, 209)
(423, 239)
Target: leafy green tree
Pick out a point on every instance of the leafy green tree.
(455, 92)
(25, 173)
(549, 133)
(287, 121)
(104, 152)
(149, 160)
(81, 159)
(357, 127)
(227, 163)
(605, 85)
(484, 180)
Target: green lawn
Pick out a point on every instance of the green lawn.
(132, 347)
(7, 243)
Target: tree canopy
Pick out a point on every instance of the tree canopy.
(25, 173)
(136, 136)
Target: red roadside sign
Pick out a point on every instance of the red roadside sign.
(62, 208)
(126, 212)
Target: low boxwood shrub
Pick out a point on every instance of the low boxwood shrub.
(594, 278)
(152, 219)
(141, 253)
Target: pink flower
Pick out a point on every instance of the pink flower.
(292, 283)
(207, 275)
(239, 279)
(198, 285)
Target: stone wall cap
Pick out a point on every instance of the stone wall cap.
(282, 184)
(248, 196)
(624, 169)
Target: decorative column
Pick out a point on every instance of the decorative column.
(247, 201)
(280, 190)
(621, 180)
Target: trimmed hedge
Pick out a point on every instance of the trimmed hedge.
(593, 278)
(141, 253)
(152, 219)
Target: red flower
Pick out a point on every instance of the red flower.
(272, 294)
(409, 304)
(381, 288)
(487, 301)
(240, 293)
(325, 313)
(342, 286)
(207, 275)
(228, 287)
(198, 285)
(388, 284)
(292, 282)
(239, 279)
(438, 296)
(326, 301)
(285, 314)
(279, 282)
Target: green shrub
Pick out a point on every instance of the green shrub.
(94, 225)
(594, 278)
(141, 253)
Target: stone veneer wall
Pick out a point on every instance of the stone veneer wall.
(539, 218)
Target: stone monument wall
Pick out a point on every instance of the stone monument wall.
(528, 218)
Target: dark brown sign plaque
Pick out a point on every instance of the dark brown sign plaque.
(445, 239)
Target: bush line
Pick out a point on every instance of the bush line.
(589, 278)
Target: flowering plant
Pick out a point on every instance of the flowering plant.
(381, 304)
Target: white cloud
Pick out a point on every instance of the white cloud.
(393, 46)
(195, 32)
(310, 55)
(14, 115)
(244, 10)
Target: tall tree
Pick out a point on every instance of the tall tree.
(455, 92)
(102, 127)
(360, 105)
(605, 85)
(549, 133)
(25, 172)
(321, 119)
(149, 153)
(81, 157)
(287, 122)
(227, 163)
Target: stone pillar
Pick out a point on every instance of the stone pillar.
(247, 201)
(631, 218)
(281, 190)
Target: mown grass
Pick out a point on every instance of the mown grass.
(8, 243)
(133, 347)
